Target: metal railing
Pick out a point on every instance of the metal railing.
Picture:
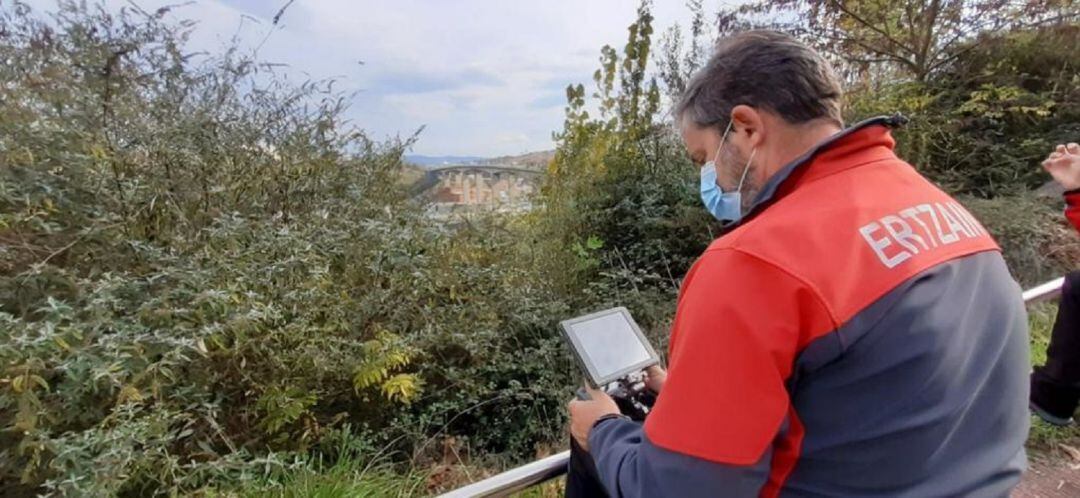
(1044, 292)
(516, 479)
(546, 469)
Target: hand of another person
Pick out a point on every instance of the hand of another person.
(1064, 165)
(584, 414)
(654, 378)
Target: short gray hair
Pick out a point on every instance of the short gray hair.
(761, 69)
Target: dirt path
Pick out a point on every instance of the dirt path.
(1050, 476)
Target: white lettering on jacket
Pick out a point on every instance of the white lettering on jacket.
(898, 237)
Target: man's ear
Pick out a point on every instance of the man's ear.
(748, 121)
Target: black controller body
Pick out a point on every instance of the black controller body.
(630, 394)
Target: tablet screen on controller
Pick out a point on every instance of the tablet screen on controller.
(608, 345)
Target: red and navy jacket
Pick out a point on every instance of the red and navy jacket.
(858, 334)
(1072, 208)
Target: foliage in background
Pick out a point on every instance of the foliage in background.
(982, 127)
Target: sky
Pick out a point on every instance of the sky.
(484, 77)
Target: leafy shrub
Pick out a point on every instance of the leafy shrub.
(206, 273)
(982, 127)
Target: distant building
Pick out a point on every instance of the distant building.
(505, 188)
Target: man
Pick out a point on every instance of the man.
(855, 332)
(1055, 386)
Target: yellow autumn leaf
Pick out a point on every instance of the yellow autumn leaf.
(129, 393)
(97, 151)
(37, 379)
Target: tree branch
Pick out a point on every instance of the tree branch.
(873, 50)
(840, 5)
(281, 12)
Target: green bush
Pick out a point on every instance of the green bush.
(206, 273)
(982, 127)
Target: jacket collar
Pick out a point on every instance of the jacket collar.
(864, 142)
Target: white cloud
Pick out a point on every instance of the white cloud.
(511, 138)
(422, 107)
(485, 76)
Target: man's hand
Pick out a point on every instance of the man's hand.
(654, 378)
(1064, 165)
(584, 413)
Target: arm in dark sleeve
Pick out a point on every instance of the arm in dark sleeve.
(1072, 208)
(630, 466)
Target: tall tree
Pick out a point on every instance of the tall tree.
(677, 63)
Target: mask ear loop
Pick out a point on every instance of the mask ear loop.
(738, 190)
(746, 170)
(723, 138)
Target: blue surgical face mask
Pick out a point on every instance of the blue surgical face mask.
(724, 206)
